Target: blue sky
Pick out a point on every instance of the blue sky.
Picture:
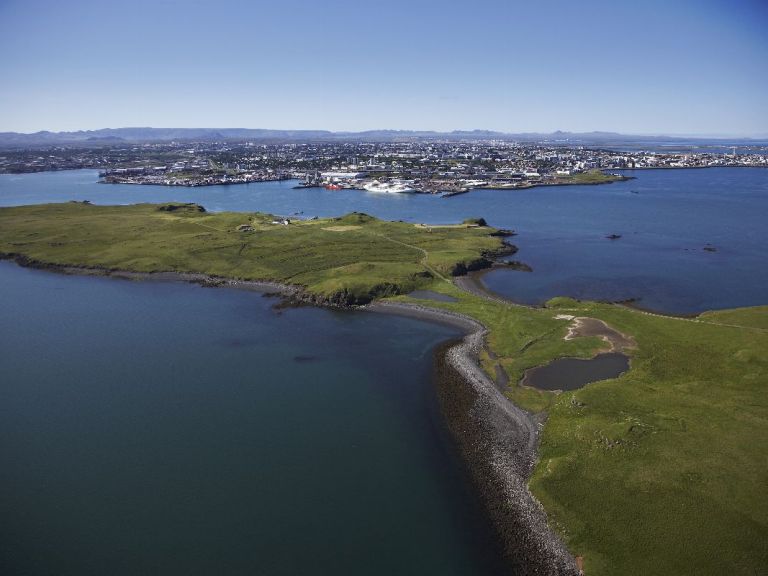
(651, 66)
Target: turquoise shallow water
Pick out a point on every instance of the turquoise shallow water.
(665, 219)
(165, 428)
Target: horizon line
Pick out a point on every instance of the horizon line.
(718, 135)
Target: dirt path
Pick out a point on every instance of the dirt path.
(424, 253)
(696, 320)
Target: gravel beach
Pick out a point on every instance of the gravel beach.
(499, 443)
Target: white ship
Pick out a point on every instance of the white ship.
(388, 187)
(474, 183)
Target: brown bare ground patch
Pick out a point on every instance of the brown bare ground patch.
(345, 228)
(616, 341)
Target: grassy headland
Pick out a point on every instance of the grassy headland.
(660, 471)
(347, 260)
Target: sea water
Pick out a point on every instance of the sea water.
(166, 428)
(666, 219)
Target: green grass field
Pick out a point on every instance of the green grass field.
(350, 259)
(661, 471)
(665, 469)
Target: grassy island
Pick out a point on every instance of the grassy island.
(660, 471)
(346, 260)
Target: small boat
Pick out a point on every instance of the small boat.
(332, 187)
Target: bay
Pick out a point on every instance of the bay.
(165, 428)
(665, 218)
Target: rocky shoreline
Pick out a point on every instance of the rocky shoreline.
(473, 284)
(498, 442)
(292, 294)
(205, 280)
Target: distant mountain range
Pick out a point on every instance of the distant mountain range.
(112, 136)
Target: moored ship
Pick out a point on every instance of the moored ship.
(389, 187)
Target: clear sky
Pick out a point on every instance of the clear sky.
(632, 66)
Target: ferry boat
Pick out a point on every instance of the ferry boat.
(388, 187)
(474, 183)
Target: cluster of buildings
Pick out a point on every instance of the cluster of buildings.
(183, 174)
(416, 165)
(457, 167)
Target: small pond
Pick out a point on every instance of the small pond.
(575, 373)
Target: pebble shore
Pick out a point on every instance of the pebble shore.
(498, 441)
